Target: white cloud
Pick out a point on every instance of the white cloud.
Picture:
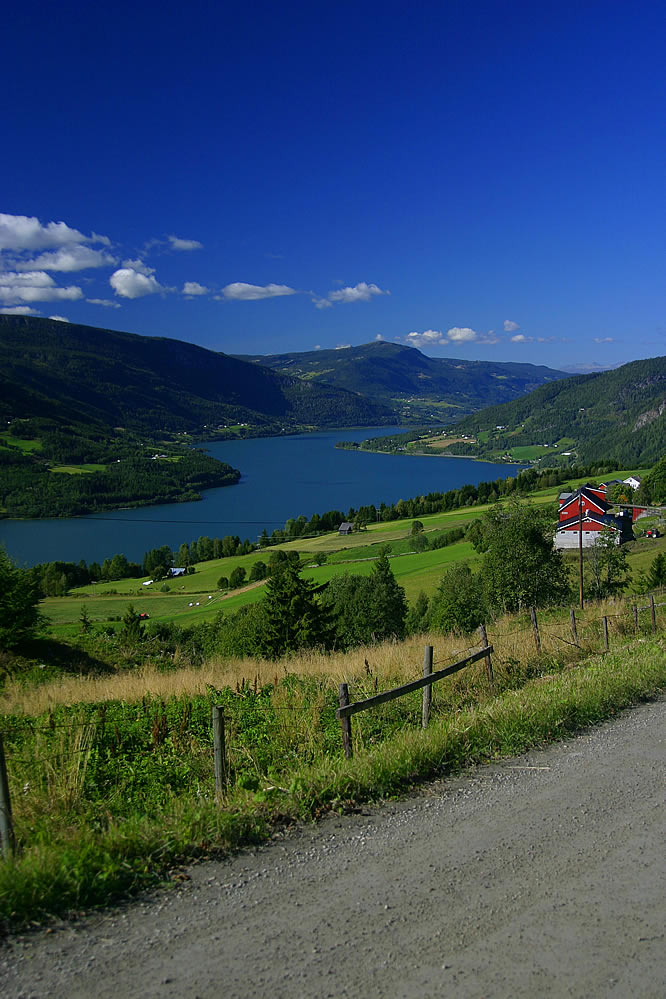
(462, 334)
(321, 303)
(343, 346)
(604, 339)
(510, 326)
(521, 338)
(19, 310)
(429, 338)
(60, 319)
(239, 291)
(34, 286)
(185, 244)
(130, 283)
(106, 302)
(138, 266)
(194, 288)
(361, 292)
(457, 334)
(379, 337)
(71, 258)
(23, 232)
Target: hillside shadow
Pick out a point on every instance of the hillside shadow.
(68, 659)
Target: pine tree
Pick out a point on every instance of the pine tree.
(294, 618)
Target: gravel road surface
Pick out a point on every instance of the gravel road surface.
(538, 876)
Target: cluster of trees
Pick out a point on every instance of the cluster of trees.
(28, 488)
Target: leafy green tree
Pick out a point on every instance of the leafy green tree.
(293, 617)
(657, 571)
(348, 598)
(223, 583)
(420, 542)
(653, 487)
(19, 595)
(521, 568)
(237, 577)
(606, 562)
(417, 615)
(458, 603)
(417, 527)
(259, 570)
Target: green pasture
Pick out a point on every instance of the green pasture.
(77, 469)
(22, 443)
(354, 553)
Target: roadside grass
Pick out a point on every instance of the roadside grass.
(109, 798)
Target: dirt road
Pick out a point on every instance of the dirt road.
(539, 876)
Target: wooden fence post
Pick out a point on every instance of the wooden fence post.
(427, 691)
(653, 615)
(635, 609)
(574, 631)
(605, 623)
(535, 628)
(6, 825)
(345, 723)
(219, 744)
(488, 660)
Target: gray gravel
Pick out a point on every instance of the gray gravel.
(538, 876)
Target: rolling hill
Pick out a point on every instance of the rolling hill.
(417, 387)
(72, 374)
(617, 416)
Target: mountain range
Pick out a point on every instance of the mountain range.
(416, 387)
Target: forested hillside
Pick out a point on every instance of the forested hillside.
(416, 386)
(80, 375)
(617, 416)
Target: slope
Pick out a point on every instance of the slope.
(417, 385)
(84, 375)
(617, 415)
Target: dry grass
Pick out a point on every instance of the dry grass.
(512, 638)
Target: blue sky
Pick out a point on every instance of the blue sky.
(482, 180)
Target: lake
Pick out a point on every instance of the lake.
(282, 477)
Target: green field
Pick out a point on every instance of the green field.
(77, 469)
(195, 598)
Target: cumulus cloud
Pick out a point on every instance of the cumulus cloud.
(361, 292)
(70, 258)
(521, 338)
(510, 326)
(106, 302)
(194, 288)
(23, 232)
(462, 334)
(34, 286)
(19, 310)
(128, 282)
(139, 266)
(379, 337)
(456, 334)
(239, 291)
(184, 244)
(321, 303)
(604, 339)
(343, 346)
(60, 319)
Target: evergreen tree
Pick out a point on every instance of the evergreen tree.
(657, 572)
(293, 617)
(19, 596)
(388, 611)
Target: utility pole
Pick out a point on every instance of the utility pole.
(580, 545)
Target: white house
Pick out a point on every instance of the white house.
(633, 480)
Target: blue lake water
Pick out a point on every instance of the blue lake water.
(282, 477)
